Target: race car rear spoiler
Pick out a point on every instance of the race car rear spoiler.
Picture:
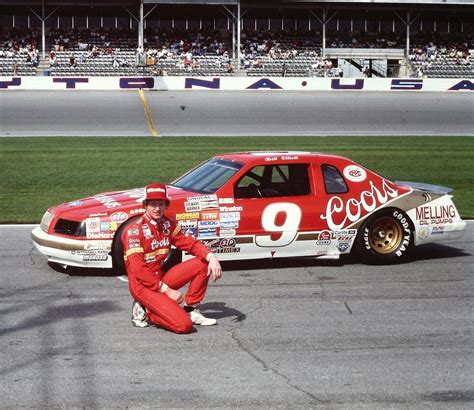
(425, 187)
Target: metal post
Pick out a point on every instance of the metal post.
(140, 26)
(324, 31)
(43, 29)
(238, 36)
(408, 34)
(233, 39)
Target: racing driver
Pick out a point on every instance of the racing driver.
(147, 241)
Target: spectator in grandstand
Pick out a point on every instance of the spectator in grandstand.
(52, 58)
(72, 61)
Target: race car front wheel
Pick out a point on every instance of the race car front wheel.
(117, 249)
(386, 237)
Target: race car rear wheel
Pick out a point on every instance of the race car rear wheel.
(386, 237)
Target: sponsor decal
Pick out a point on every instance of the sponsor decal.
(155, 190)
(192, 206)
(324, 238)
(208, 224)
(99, 235)
(343, 247)
(437, 230)
(99, 246)
(108, 226)
(187, 215)
(92, 255)
(269, 159)
(201, 198)
(97, 214)
(227, 232)
(435, 215)
(423, 233)
(209, 215)
(149, 258)
(220, 243)
(75, 203)
(133, 240)
(100, 257)
(340, 212)
(160, 244)
(186, 224)
(226, 250)
(229, 224)
(107, 201)
(289, 157)
(119, 217)
(340, 232)
(207, 233)
(92, 224)
(190, 232)
(209, 204)
(354, 173)
(146, 231)
(226, 200)
(137, 211)
(133, 232)
(231, 208)
(197, 203)
(230, 216)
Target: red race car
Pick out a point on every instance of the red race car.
(251, 205)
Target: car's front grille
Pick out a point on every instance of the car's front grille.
(72, 228)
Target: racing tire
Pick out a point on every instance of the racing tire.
(118, 261)
(385, 238)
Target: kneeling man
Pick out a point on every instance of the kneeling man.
(147, 241)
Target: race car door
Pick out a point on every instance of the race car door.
(274, 211)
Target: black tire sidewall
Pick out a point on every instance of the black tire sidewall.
(398, 255)
(118, 261)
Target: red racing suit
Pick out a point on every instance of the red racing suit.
(146, 244)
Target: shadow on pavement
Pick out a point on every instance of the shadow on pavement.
(219, 310)
(55, 314)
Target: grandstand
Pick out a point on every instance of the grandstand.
(297, 38)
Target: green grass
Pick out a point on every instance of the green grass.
(37, 173)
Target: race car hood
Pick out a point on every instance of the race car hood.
(112, 202)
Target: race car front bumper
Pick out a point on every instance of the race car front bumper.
(73, 252)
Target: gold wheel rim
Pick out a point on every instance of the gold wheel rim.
(385, 235)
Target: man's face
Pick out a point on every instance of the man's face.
(156, 208)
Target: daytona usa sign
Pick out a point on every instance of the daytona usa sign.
(236, 83)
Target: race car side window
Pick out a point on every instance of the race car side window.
(274, 180)
(334, 182)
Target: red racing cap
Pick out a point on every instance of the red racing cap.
(156, 191)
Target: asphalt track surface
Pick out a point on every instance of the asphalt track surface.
(221, 113)
(292, 334)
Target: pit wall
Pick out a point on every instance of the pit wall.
(236, 83)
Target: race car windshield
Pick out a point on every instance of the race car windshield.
(208, 177)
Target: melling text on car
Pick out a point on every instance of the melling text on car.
(264, 205)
